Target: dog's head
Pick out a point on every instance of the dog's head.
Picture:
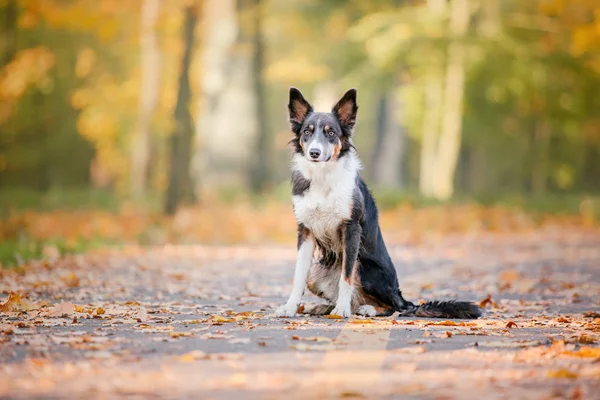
(322, 136)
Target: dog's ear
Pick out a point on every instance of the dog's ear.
(299, 108)
(345, 109)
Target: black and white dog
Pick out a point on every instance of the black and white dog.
(341, 254)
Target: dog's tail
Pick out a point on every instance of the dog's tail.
(441, 309)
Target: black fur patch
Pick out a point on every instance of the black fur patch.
(448, 309)
(299, 184)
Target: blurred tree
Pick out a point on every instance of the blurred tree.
(180, 183)
(260, 173)
(227, 125)
(148, 97)
(389, 142)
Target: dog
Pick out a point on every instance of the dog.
(341, 253)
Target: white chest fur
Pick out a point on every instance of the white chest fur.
(328, 201)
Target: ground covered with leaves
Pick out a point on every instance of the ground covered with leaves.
(189, 321)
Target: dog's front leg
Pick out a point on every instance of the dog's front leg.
(306, 247)
(351, 238)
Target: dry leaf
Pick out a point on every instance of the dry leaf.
(221, 319)
(141, 315)
(11, 303)
(62, 309)
(591, 314)
(361, 321)
(585, 339)
(100, 311)
(562, 373)
(584, 352)
(488, 300)
(333, 316)
(176, 335)
(71, 280)
(511, 324)
(193, 356)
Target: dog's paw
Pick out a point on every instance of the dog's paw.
(366, 311)
(342, 311)
(286, 311)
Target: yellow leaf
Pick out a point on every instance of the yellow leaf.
(361, 321)
(220, 318)
(333, 316)
(100, 311)
(584, 352)
(193, 356)
(562, 373)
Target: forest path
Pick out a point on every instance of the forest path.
(195, 321)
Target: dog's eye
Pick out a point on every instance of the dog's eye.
(307, 132)
(331, 133)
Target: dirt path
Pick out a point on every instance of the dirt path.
(197, 322)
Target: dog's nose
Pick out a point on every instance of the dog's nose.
(314, 153)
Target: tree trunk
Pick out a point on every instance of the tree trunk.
(431, 119)
(451, 130)
(150, 83)
(9, 32)
(541, 146)
(227, 125)
(260, 175)
(433, 95)
(387, 159)
(180, 183)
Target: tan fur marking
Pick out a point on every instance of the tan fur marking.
(326, 128)
(336, 150)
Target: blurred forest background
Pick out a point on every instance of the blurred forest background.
(154, 121)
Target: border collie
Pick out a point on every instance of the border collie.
(341, 254)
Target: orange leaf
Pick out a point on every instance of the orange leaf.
(562, 373)
(511, 324)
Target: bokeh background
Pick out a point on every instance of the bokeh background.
(153, 121)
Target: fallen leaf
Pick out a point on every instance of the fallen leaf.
(511, 324)
(176, 335)
(488, 300)
(62, 309)
(361, 321)
(11, 303)
(584, 352)
(316, 339)
(562, 373)
(100, 311)
(500, 344)
(262, 344)
(221, 319)
(585, 339)
(141, 315)
(333, 316)
(591, 314)
(193, 356)
(71, 280)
